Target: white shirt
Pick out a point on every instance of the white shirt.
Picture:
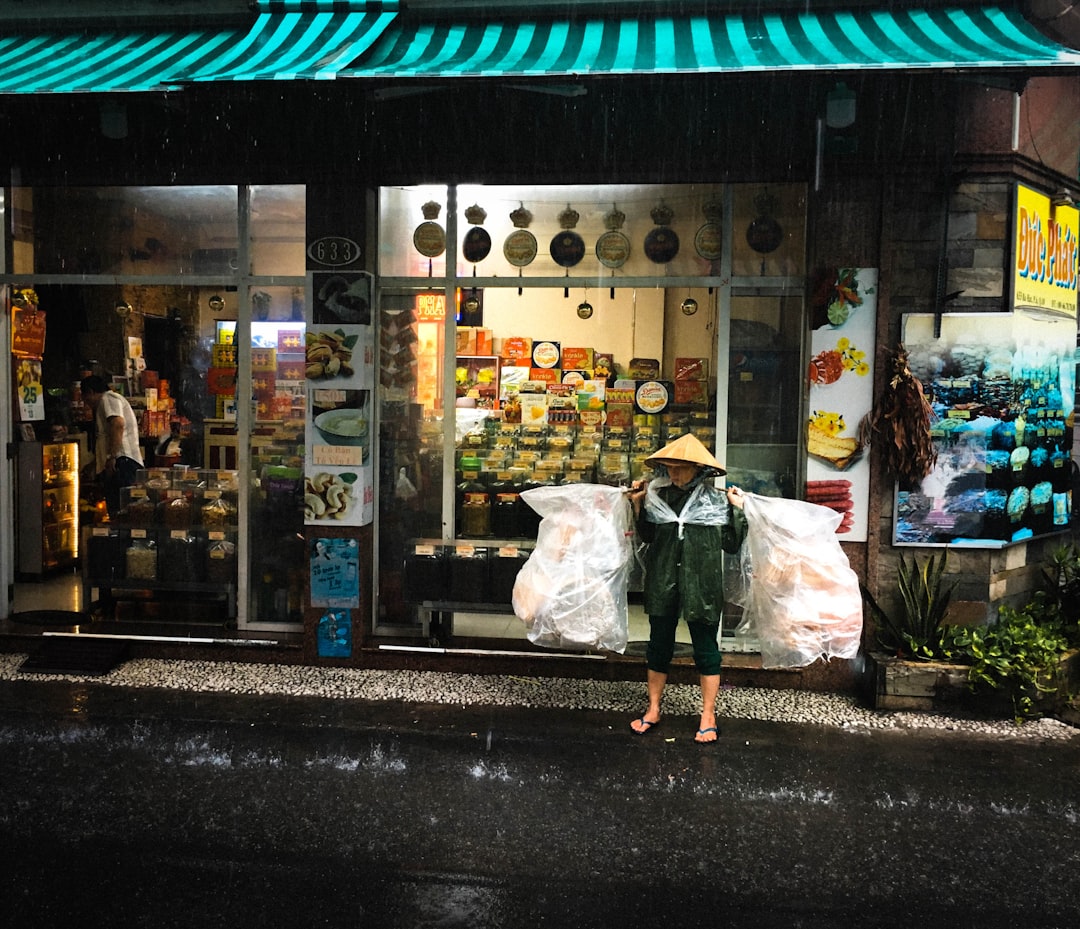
(113, 404)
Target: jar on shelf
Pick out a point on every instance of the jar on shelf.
(141, 558)
(175, 509)
(220, 559)
(180, 557)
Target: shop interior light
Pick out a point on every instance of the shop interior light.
(840, 107)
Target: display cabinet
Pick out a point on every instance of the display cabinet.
(174, 540)
(48, 506)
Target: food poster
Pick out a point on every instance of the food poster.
(338, 481)
(1002, 387)
(29, 394)
(28, 330)
(341, 299)
(339, 381)
(841, 381)
(335, 573)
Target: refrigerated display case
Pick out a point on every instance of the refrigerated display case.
(48, 506)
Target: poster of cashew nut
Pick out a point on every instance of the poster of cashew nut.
(340, 379)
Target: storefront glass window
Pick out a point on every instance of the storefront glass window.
(170, 347)
(564, 302)
(768, 237)
(412, 232)
(412, 445)
(277, 232)
(125, 230)
(276, 522)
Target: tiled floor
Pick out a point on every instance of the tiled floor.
(58, 592)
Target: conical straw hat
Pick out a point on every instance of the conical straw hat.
(687, 448)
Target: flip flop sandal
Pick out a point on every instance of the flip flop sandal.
(648, 726)
(708, 741)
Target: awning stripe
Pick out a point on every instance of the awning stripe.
(970, 37)
(278, 45)
(283, 46)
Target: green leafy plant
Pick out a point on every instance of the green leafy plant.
(1062, 585)
(918, 630)
(1019, 653)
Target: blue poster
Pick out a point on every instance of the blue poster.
(335, 634)
(335, 573)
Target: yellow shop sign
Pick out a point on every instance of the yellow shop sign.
(1046, 257)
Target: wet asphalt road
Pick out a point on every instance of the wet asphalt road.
(123, 807)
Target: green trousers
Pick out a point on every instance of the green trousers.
(661, 648)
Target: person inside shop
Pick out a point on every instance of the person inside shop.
(117, 455)
(688, 524)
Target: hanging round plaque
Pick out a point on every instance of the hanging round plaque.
(567, 248)
(476, 245)
(429, 239)
(613, 248)
(661, 244)
(520, 248)
(764, 234)
(708, 242)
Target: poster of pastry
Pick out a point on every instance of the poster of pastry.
(338, 479)
(841, 381)
(1002, 387)
(339, 381)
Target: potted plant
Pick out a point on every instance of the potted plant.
(1021, 654)
(1029, 655)
(909, 671)
(916, 631)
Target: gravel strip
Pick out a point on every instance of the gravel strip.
(791, 706)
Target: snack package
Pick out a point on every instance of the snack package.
(571, 592)
(800, 597)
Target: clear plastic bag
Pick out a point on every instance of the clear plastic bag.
(800, 597)
(706, 506)
(571, 592)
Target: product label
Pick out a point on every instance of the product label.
(652, 397)
(546, 354)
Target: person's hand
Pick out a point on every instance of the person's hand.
(636, 493)
(736, 497)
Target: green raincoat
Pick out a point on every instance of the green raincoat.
(685, 576)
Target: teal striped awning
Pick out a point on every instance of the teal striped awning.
(325, 39)
(961, 37)
(288, 39)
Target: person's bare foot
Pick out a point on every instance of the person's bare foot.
(643, 724)
(707, 730)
